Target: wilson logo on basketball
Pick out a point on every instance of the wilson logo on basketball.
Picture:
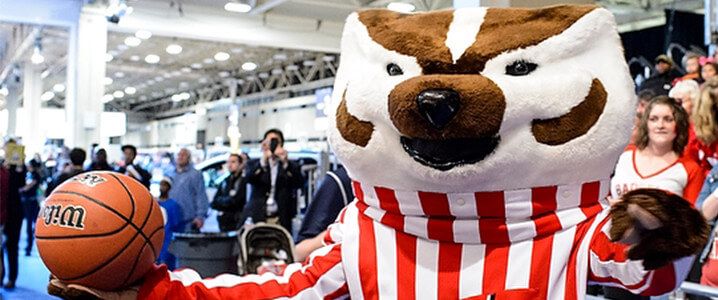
(90, 180)
(70, 216)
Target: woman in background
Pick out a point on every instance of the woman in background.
(656, 162)
(703, 145)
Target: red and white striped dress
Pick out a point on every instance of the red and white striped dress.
(537, 243)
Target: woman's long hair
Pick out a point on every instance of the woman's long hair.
(704, 115)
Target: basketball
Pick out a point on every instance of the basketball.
(101, 230)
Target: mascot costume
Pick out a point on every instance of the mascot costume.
(480, 142)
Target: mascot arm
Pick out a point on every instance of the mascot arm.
(646, 244)
(321, 277)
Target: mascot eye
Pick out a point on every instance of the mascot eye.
(520, 68)
(394, 69)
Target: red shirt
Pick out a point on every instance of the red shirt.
(699, 152)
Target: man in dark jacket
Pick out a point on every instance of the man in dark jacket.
(275, 180)
(131, 169)
(232, 194)
(77, 158)
(660, 81)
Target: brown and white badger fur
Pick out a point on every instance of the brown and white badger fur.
(481, 142)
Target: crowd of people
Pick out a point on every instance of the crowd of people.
(273, 178)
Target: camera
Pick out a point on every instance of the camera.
(273, 143)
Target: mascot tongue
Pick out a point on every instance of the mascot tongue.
(483, 217)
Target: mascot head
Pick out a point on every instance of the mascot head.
(481, 99)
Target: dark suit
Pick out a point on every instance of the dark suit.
(229, 201)
(289, 179)
(146, 176)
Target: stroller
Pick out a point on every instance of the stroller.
(265, 245)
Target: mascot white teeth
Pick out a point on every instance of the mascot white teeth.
(480, 142)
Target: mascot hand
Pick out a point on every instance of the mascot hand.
(659, 227)
(74, 291)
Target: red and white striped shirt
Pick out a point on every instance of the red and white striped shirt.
(538, 243)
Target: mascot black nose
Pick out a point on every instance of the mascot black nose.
(438, 106)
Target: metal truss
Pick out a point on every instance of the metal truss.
(285, 81)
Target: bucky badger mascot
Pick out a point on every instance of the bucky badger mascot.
(480, 142)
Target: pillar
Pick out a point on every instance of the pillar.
(85, 73)
(12, 102)
(33, 138)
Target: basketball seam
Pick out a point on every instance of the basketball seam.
(134, 265)
(147, 217)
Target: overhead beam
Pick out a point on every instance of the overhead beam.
(215, 24)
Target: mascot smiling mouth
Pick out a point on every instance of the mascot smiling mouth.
(446, 154)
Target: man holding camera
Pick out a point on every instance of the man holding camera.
(274, 181)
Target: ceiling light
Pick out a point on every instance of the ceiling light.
(249, 66)
(109, 57)
(59, 88)
(221, 56)
(277, 71)
(159, 79)
(196, 66)
(208, 61)
(37, 57)
(107, 98)
(280, 56)
(176, 98)
(174, 49)
(167, 75)
(176, 73)
(132, 41)
(237, 7)
(143, 34)
(202, 80)
(223, 74)
(263, 75)
(135, 58)
(236, 50)
(185, 95)
(47, 96)
(150, 82)
(401, 7)
(118, 94)
(169, 90)
(292, 68)
(152, 59)
(328, 58)
(130, 90)
(107, 81)
(122, 47)
(119, 74)
(183, 85)
(186, 69)
(143, 98)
